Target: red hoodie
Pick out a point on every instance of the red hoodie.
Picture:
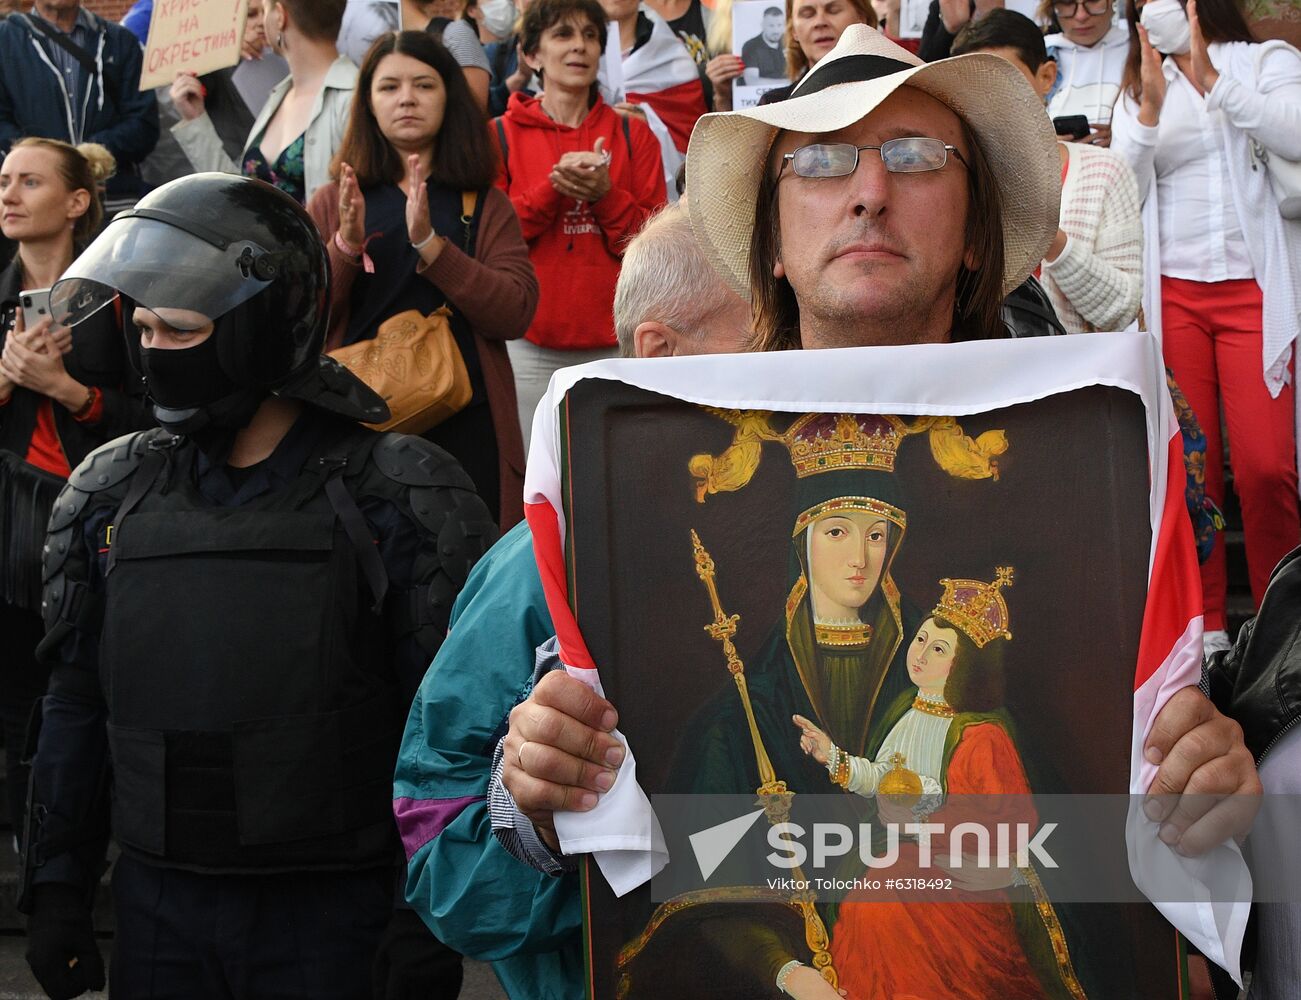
(576, 246)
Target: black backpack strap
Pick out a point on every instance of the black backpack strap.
(499, 121)
(84, 58)
(144, 477)
(354, 525)
(470, 206)
(504, 49)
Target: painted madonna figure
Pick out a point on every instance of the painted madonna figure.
(835, 656)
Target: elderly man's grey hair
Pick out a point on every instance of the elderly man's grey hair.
(666, 279)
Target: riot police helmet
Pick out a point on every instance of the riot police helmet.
(246, 256)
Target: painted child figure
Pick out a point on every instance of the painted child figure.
(949, 738)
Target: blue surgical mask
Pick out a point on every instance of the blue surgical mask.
(1166, 23)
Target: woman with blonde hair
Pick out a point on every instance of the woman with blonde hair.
(813, 27)
(60, 398)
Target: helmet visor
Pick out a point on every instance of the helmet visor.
(160, 267)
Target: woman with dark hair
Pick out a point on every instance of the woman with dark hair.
(583, 180)
(948, 736)
(416, 152)
(1201, 107)
(299, 128)
(60, 398)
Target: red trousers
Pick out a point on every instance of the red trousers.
(1212, 343)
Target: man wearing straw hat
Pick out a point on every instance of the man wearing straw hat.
(886, 202)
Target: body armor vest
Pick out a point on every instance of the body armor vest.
(253, 718)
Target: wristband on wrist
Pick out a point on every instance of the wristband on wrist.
(83, 411)
(355, 254)
(346, 248)
(425, 242)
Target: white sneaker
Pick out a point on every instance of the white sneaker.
(1215, 642)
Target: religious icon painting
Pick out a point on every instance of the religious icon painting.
(872, 618)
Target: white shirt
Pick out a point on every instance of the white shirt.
(1201, 236)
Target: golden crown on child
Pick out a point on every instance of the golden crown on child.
(976, 607)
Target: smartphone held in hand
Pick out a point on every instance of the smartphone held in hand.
(1071, 126)
(36, 306)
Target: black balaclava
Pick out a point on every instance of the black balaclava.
(194, 396)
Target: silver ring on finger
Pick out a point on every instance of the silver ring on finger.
(519, 756)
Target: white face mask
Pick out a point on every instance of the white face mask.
(498, 17)
(1167, 27)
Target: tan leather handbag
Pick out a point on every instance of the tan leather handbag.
(413, 362)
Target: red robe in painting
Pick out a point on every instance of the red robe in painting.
(894, 947)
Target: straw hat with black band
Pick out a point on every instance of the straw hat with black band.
(728, 152)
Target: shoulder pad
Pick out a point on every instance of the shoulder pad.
(465, 538)
(58, 537)
(105, 467)
(413, 461)
(111, 463)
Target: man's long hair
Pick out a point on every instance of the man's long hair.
(978, 296)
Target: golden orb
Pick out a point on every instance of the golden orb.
(900, 784)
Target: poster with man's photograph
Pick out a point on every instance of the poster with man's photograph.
(900, 612)
(759, 38)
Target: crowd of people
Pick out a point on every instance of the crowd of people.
(536, 174)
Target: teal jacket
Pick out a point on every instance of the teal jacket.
(471, 893)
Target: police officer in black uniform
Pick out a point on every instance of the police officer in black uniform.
(240, 606)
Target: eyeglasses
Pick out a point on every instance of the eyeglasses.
(1068, 8)
(913, 155)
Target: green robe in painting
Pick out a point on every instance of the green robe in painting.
(834, 688)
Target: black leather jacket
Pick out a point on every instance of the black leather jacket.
(1258, 681)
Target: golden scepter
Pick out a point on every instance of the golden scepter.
(773, 794)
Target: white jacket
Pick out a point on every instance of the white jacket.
(1088, 79)
(325, 129)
